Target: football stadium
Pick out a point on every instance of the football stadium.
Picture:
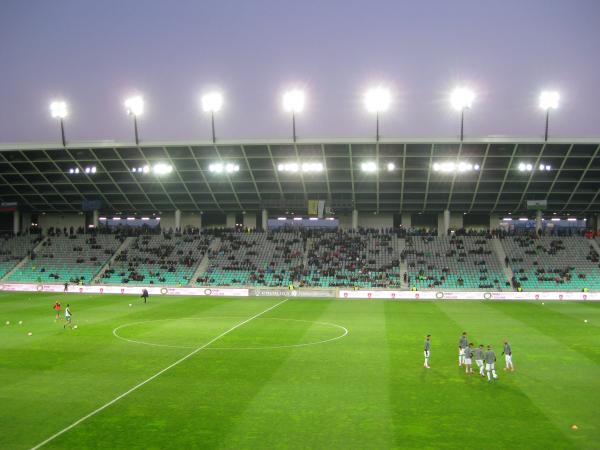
(293, 292)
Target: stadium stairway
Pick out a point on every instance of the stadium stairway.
(403, 265)
(124, 245)
(501, 254)
(203, 266)
(594, 244)
(23, 261)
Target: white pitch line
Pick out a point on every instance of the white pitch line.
(157, 374)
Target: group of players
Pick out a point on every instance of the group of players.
(485, 359)
(57, 308)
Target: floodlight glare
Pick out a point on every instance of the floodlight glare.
(134, 106)
(522, 167)
(377, 100)
(368, 167)
(529, 167)
(58, 109)
(462, 98)
(212, 102)
(293, 101)
(391, 167)
(549, 100)
(162, 169)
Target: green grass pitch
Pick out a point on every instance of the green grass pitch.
(271, 382)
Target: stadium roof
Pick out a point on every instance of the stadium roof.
(37, 176)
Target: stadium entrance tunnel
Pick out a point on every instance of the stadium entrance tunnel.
(262, 333)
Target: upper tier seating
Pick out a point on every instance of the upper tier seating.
(453, 262)
(72, 259)
(13, 249)
(255, 259)
(565, 263)
(366, 258)
(166, 259)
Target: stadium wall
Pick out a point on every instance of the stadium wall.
(74, 220)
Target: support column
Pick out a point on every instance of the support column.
(265, 219)
(538, 220)
(16, 222)
(200, 221)
(440, 225)
(355, 219)
(494, 221)
(230, 221)
(177, 220)
(95, 218)
(406, 220)
(25, 222)
(446, 221)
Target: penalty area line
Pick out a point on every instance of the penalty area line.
(157, 374)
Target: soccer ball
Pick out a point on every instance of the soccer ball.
(542, 303)
(8, 322)
(30, 334)
(130, 304)
(574, 427)
(585, 320)
(75, 326)
(20, 322)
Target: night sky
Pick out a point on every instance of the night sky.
(94, 54)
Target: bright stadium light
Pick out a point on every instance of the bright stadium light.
(223, 168)
(134, 106)
(460, 99)
(391, 167)
(548, 100)
(377, 100)
(212, 103)
(293, 102)
(451, 166)
(58, 110)
(162, 169)
(368, 167)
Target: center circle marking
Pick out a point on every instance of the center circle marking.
(344, 333)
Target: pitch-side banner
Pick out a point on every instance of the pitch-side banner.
(136, 290)
(469, 295)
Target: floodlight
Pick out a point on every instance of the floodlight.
(523, 219)
(529, 167)
(134, 106)
(462, 98)
(368, 167)
(310, 167)
(212, 102)
(572, 219)
(476, 167)
(162, 169)
(377, 100)
(522, 167)
(549, 100)
(293, 101)
(145, 169)
(391, 167)
(58, 109)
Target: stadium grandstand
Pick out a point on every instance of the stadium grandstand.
(484, 214)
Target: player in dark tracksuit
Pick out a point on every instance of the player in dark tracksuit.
(145, 295)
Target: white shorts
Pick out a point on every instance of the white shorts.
(468, 361)
(508, 359)
(461, 352)
(426, 353)
(479, 362)
(491, 366)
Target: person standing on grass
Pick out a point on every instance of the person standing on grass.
(426, 349)
(479, 354)
(145, 295)
(68, 317)
(507, 352)
(468, 360)
(66, 289)
(56, 308)
(462, 345)
(490, 363)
